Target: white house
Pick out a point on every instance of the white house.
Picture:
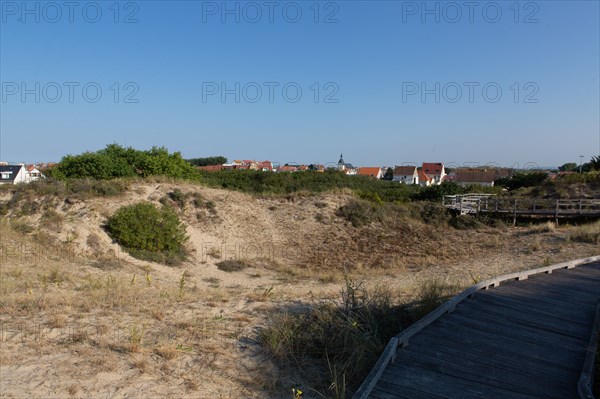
(33, 173)
(473, 176)
(406, 174)
(435, 171)
(13, 174)
(425, 180)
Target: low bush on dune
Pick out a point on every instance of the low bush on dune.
(586, 233)
(342, 337)
(149, 233)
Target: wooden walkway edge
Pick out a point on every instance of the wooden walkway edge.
(402, 340)
(586, 381)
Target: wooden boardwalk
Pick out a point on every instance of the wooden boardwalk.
(518, 340)
(522, 207)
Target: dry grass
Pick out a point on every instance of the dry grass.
(71, 297)
(589, 233)
(539, 228)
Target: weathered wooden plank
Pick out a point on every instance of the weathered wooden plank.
(444, 385)
(533, 307)
(500, 360)
(487, 375)
(537, 292)
(522, 333)
(542, 299)
(591, 273)
(487, 344)
(489, 310)
(558, 283)
(579, 280)
(385, 390)
(564, 281)
(504, 357)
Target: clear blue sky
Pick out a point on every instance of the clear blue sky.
(373, 57)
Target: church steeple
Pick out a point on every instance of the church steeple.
(341, 161)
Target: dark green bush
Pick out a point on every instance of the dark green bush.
(208, 161)
(231, 265)
(437, 192)
(359, 213)
(115, 161)
(465, 222)
(521, 179)
(434, 214)
(148, 232)
(179, 197)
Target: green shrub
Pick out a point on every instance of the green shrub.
(437, 192)
(115, 161)
(231, 266)
(179, 197)
(359, 213)
(590, 177)
(208, 161)
(148, 232)
(465, 222)
(434, 214)
(522, 179)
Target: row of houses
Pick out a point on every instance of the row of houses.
(430, 173)
(18, 173)
(435, 173)
(264, 166)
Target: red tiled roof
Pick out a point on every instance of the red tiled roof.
(433, 168)
(404, 170)
(369, 171)
(475, 176)
(265, 165)
(423, 176)
(286, 168)
(211, 168)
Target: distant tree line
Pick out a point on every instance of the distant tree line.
(592, 165)
(208, 161)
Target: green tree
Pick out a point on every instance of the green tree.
(521, 179)
(595, 163)
(145, 230)
(115, 161)
(568, 167)
(389, 174)
(208, 161)
(436, 193)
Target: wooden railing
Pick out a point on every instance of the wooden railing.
(477, 203)
(402, 339)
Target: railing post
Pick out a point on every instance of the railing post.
(515, 213)
(556, 213)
